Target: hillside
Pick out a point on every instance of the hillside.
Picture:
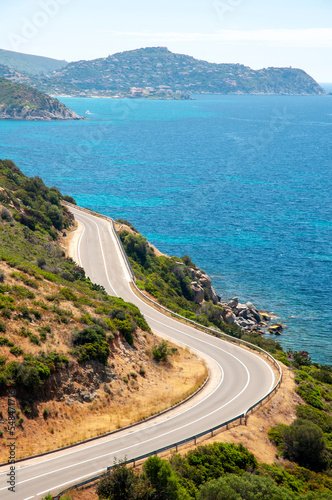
(20, 102)
(158, 69)
(28, 63)
(80, 362)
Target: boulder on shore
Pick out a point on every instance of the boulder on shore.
(198, 292)
(276, 328)
(233, 302)
(228, 316)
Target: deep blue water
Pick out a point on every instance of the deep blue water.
(240, 183)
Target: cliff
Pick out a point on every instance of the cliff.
(20, 102)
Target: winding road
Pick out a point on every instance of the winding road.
(241, 378)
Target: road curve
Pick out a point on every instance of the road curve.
(245, 378)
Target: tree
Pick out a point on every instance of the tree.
(164, 480)
(245, 487)
(118, 484)
(303, 442)
(55, 214)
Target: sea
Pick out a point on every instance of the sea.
(241, 184)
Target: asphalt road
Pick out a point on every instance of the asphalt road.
(244, 378)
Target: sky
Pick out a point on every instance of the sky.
(257, 33)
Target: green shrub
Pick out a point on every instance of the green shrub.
(161, 351)
(70, 199)
(41, 262)
(97, 351)
(212, 461)
(22, 292)
(120, 483)
(67, 294)
(6, 313)
(303, 442)
(142, 324)
(318, 417)
(6, 214)
(91, 344)
(310, 394)
(142, 371)
(31, 374)
(89, 335)
(44, 330)
(323, 375)
(34, 339)
(17, 351)
(163, 479)
(5, 341)
(244, 487)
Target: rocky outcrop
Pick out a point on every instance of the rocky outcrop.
(201, 281)
(248, 317)
(77, 383)
(30, 114)
(276, 328)
(20, 102)
(198, 292)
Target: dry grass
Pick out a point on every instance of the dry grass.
(130, 396)
(160, 388)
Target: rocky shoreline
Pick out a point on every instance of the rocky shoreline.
(28, 113)
(246, 316)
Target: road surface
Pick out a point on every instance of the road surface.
(243, 379)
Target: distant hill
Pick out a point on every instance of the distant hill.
(29, 64)
(157, 68)
(20, 102)
(153, 72)
(17, 76)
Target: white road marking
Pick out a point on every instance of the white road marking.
(79, 246)
(156, 424)
(68, 482)
(102, 252)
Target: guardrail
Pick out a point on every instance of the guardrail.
(218, 333)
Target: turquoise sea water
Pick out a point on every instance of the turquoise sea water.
(240, 183)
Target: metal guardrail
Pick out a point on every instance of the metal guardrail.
(218, 333)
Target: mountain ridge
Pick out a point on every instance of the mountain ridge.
(157, 67)
(156, 72)
(29, 63)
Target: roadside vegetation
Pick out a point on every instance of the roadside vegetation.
(167, 280)
(61, 336)
(221, 471)
(308, 440)
(31, 217)
(63, 340)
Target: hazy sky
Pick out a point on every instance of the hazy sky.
(257, 33)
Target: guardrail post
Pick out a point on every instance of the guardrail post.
(195, 440)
